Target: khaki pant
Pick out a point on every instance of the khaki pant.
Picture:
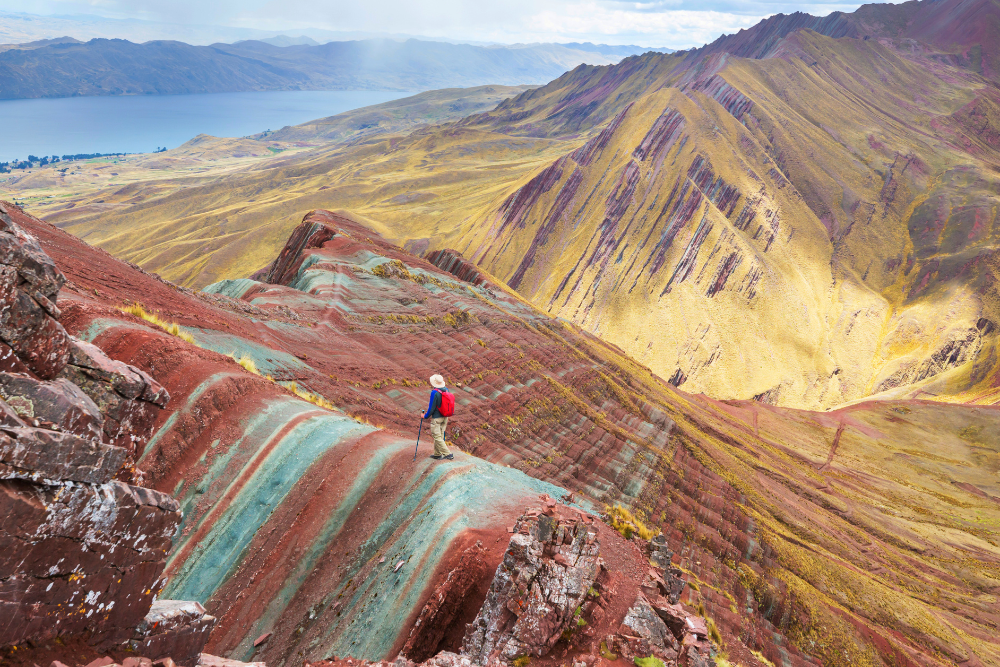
(438, 424)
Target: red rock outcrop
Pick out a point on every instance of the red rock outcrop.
(777, 536)
(81, 554)
(453, 262)
(173, 629)
(537, 591)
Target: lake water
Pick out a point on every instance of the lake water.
(141, 124)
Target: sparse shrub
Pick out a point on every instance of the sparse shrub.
(397, 269)
(628, 524)
(458, 317)
(606, 654)
(247, 363)
(171, 328)
(651, 661)
(523, 661)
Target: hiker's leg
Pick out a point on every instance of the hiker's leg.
(438, 425)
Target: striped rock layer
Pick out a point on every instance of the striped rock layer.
(863, 536)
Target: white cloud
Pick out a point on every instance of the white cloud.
(677, 28)
(658, 23)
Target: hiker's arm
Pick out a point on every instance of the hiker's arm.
(431, 406)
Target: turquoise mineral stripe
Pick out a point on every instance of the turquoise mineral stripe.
(191, 400)
(99, 325)
(257, 431)
(365, 479)
(389, 596)
(314, 280)
(232, 288)
(221, 550)
(268, 360)
(283, 328)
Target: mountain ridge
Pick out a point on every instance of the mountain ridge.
(838, 178)
(119, 67)
(863, 536)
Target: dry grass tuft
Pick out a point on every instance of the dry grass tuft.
(713, 631)
(628, 524)
(315, 399)
(248, 364)
(171, 328)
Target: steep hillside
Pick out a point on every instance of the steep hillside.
(119, 67)
(801, 213)
(865, 536)
(399, 116)
(688, 200)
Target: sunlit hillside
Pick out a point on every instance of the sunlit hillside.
(807, 226)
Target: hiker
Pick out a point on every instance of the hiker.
(441, 406)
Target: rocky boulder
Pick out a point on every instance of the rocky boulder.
(78, 558)
(668, 584)
(52, 380)
(174, 629)
(32, 337)
(644, 633)
(547, 570)
(655, 627)
(41, 454)
(57, 404)
(660, 554)
(81, 554)
(128, 398)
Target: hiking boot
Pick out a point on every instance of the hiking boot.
(450, 457)
(436, 457)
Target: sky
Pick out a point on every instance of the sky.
(676, 24)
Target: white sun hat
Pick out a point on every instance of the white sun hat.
(438, 382)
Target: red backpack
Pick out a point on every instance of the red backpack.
(447, 408)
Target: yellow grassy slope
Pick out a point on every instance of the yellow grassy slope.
(618, 293)
(835, 317)
(841, 143)
(199, 233)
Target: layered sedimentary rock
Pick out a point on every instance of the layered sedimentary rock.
(173, 629)
(81, 554)
(808, 195)
(537, 591)
(321, 534)
(128, 398)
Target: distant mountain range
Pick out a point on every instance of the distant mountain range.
(693, 208)
(66, 67)
(803, 214)
(21, 27)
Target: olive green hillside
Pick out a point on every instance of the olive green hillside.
(807, 226)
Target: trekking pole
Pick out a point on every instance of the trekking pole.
(418, 438)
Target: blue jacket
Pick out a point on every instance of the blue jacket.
(433, 408)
